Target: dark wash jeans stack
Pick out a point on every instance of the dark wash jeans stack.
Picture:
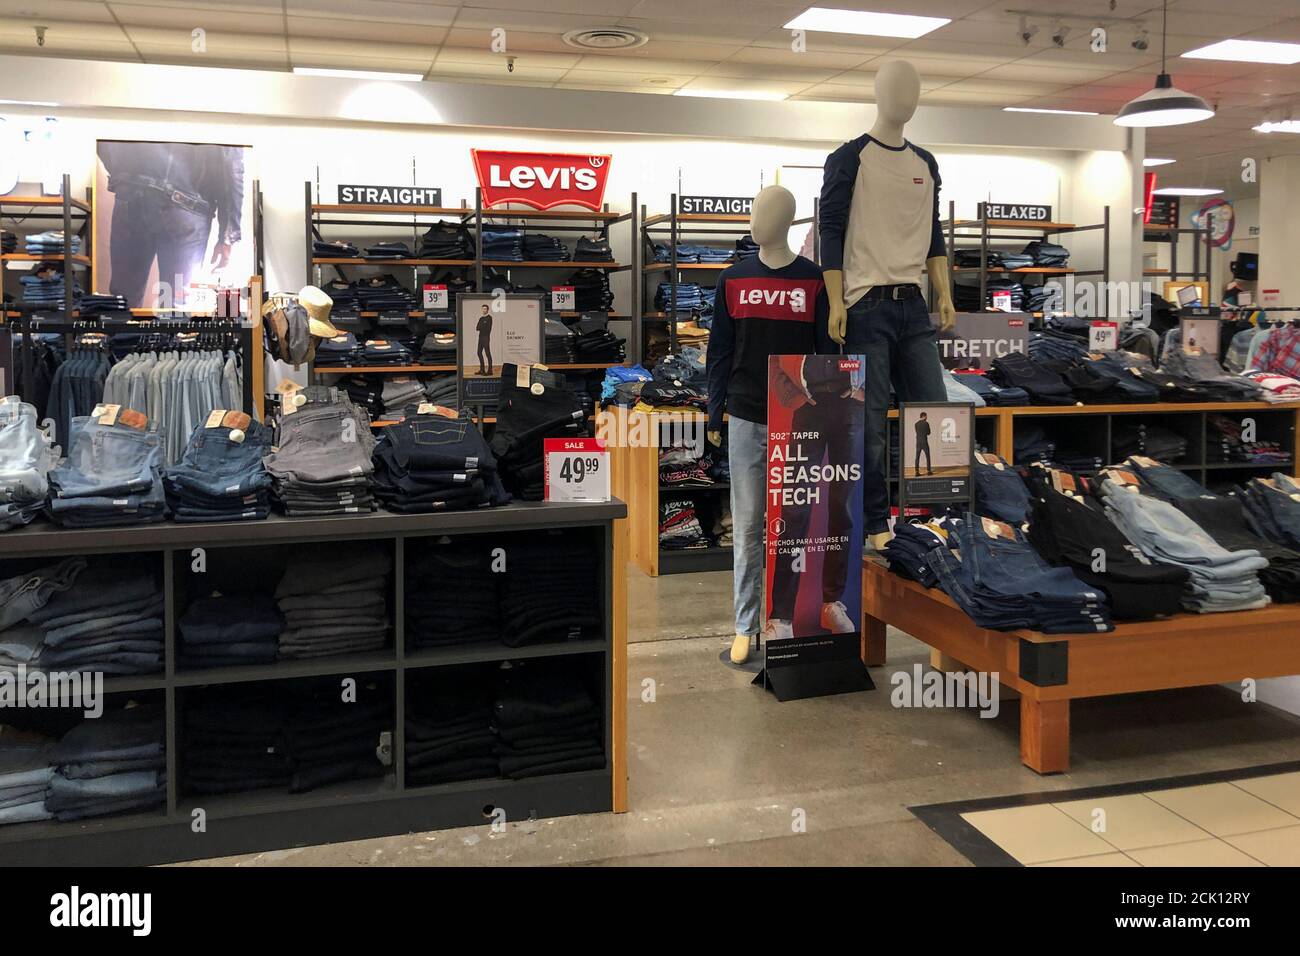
(112, 764)
(335, 607)
(1068, 528)
(437, 569)
(1002, 583)
(1224, 520)
(230, 629)
(21, 641)
(547, 720)
(26, 457)
(219, 478)
(898, 340)
(112, 475)
(549, 592)
(908, 551)
(1000, 492)
(26, 769)
(431, 462)
(1272, 509)
(449, 732)
(298, 735)
(525, 420)
(110, 620)
(321, 465)
(1220, 579)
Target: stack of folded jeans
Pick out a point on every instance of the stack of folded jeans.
(299, 736)
(503, 244)
(26, 456)
(966, 294)
(321, 249)
(689, 296)
(746, 248)
(441, 390)
(546, 595)
(999, 490)
(1067, 527)
(384, 294)
(449, 735)
(525, 420)
(1273, 505)
(1044, 386)
(104, 305)
(434, 462)
(1040, 298)
(462, 567)
(707, 254)
(43, 287)
(446, 240)
(1048, 254)
(1220, 580)
(1002, 583)
(1127, 388)
(539, 247)
(26, 594)
(400, 392)
(220, 477)
(385, 352)
(321, 462)
(111, 621)
(1130, 437)
(51, 244)
(958, 391)
(388, 250)
(595, 249)
(438, 348)
(1175, 388)
(112, 475)
(366, 392)
(344, 295)
(991, 392)
(591, 290)
(343, 349)
(908, 550)
(972, 257)
(547, 720)
(1224, 520)
(8, 242)
(1162, 481)
(1033, 444)
(113, 764)
(558, 339)
(595, 345)
(26, 769)
(335, 607)
(1010, 261)
(229, 630)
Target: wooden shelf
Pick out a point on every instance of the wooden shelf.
(394, 210)
(578, 215)
(367, 369)
(1015, 224)
(362, 261)
(668, 266)
(534, 264)
(1027, 270)
(57, 257)
(720, 218)
(1155, 272)
(55, 201)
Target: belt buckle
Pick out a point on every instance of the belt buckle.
(896, 292)
(178, 197)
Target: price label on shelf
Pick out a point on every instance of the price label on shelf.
(1002, 302)
(1103, 336)
(435, 297)
(577, 469)
(563, 299)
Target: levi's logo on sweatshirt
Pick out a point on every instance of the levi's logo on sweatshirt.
(918, 180)
(765, 297)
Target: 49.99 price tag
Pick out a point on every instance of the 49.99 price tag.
(577, 469)
(1103, 336)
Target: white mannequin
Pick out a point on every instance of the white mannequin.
(769, 225)
(898, 90)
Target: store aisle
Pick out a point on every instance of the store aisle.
(720, 771)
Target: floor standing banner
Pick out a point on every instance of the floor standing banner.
(814, 526)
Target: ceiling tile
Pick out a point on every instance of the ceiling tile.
(784, 56)
(481, 38)
(754, 71)
(721, 12)
(375, 11)
(188, 17)
(625, 80)
(306, 47)
(494, 61)
(44, 11)
(497, 71)
(611, 10)
(217, 41)
(364, 30)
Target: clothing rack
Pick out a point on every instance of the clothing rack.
(241, 331)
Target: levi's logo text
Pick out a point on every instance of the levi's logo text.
(541, 180)
(767, 298)
(849, 365)
(918, 180)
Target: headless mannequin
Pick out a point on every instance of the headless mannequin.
(898, 90)
(769, 224)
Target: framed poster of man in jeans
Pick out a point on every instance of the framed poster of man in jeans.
(936, 444)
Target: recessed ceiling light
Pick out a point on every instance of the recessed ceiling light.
(1153, 161)
(864, 23)
(1248, 51)
(358, 74)
(1185, 191)
(732, 94)
(1035, 109)
(26, 103)
(1279, 126)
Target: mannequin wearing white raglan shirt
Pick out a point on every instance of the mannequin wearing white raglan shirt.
(880, 231)
(774, 304)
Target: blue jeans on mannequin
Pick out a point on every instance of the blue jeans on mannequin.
(747, 446)
(898, 340)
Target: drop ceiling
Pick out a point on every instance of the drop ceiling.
(976, 60)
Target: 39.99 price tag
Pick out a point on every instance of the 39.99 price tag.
(1002, 302)
(1103, 336)
(563, 298)
(435, 297)
(577, 469)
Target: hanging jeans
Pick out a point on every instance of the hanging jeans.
(898, 340)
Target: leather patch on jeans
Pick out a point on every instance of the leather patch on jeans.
(234, 419)
(133, 419)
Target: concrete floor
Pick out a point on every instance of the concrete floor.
(722, 774)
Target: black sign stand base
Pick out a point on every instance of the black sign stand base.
(818, 679)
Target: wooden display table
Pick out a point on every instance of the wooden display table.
(1050, 670)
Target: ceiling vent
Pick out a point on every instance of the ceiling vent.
(606, 38)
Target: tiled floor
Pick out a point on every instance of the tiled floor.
(1253, 821)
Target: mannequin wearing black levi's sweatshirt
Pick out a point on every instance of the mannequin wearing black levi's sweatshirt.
(771, 304)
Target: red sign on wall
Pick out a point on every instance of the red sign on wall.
(541, 180)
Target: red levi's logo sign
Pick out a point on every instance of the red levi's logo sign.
(791, 300)
(541, 180)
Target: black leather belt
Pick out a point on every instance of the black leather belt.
(189, 201)
(907, 290)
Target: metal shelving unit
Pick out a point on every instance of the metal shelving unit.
(63, 209)
(276, 819)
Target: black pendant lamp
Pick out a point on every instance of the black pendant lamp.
(1166, 105)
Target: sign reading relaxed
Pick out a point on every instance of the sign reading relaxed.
(1019, 211)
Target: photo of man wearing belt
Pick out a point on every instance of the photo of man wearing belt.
(165, 199)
